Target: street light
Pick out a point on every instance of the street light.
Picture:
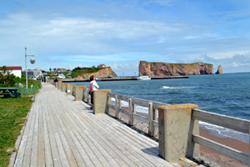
(32, 61)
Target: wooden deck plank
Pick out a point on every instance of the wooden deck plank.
(70, 157)
(21, 149)
(63, 122)
(64, 132)
(48, 154)
(41, 153)
(27, 152)
(34, 147)
(54, 149)
(56, 130)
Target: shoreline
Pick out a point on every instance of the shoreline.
(209, 154)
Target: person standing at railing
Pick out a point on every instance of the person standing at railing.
(93, 86)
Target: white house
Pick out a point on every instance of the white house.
(16, 70)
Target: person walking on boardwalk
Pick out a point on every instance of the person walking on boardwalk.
(93, 87)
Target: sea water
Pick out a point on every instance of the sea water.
(226, 94)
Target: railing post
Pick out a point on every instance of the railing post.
(79, 92)
(70, 89)
(176, 128)
(64, 87)
(131, 116)
(117, 114)
(155, 119)
(85, 93)
(59, 85)
(150, 119)
(101, 101)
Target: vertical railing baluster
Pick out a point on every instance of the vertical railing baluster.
(150, 119)
(116, 107)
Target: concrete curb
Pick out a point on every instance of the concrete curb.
(33, 98)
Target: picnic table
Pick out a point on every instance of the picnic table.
(9, 92)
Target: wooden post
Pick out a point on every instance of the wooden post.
(176, 129)
(85, 95)
(150, 119)
(120, 103)
(130, 107)
(117, 114)
(155, 119)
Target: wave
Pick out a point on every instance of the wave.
(167, 87)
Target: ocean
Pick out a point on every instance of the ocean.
(226, 94)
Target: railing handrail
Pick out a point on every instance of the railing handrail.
(237, 124)
(233, 123)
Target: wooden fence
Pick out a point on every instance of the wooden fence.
(236, 124)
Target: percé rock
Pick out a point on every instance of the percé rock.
(160, 69)
(103, 72)
(219, 71)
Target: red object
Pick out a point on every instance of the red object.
(13, 68)
(91, 90)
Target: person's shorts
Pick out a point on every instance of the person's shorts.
(92, 98)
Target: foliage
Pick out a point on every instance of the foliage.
(78, 71)
(6, 78)
(12, 112)
(35, 89)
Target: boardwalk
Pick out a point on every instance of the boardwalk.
(63, 132)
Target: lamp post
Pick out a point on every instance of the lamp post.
(32, 61)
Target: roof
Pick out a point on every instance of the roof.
(13, 67)
(101, 65)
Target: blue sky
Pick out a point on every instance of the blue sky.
(120, 33)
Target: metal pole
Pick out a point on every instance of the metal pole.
(26, 68)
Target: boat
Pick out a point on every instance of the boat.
(61, 76)
(143, 78)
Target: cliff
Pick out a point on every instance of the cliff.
(100, 73)
(160, 69)
(219, 71)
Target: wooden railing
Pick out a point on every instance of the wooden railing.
(226, 122)
(131, 112)
(215, 119)
(236, 124)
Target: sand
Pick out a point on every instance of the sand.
(205, 152)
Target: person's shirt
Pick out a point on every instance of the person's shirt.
(94, 85)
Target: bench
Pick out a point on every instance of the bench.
(9, 92)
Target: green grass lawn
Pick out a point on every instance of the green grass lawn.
(12, 112)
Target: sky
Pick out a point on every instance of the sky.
(120, 33)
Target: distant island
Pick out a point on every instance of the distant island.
(160, 69)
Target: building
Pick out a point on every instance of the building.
(61, 70)
(33, 73)
(101, 66)
(29, 73)
(16, 70)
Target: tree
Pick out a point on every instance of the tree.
(6, 78)
(50, 69)
(54, 69)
